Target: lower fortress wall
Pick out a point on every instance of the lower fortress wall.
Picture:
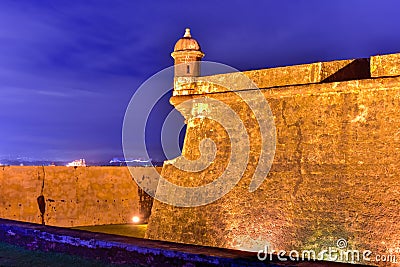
(335, 174)
(73, 196)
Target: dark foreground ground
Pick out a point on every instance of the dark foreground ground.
(11, 255)
(26, 244)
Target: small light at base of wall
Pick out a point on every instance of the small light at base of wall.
(135, 219)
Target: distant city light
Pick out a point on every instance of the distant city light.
(131, 162)
(76, 163)
(135, 219)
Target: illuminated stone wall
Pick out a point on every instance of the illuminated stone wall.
(336, 171)
(73, 196)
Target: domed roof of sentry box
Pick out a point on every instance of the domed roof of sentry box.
(187, 43)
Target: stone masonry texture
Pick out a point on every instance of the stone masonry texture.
(336, 170)
(72, 196)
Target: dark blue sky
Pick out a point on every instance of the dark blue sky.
(69, 68)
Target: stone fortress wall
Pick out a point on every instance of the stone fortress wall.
(72, 196)
(336, 170)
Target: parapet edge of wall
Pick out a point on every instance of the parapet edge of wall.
(313, 73)
(385, 65)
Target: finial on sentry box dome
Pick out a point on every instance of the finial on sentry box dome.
(187, 33)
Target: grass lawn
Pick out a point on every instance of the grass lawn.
(11, 255)
(133, 230)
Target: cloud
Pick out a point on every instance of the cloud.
(69, 68)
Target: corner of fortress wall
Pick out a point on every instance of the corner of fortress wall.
(336, 170)
(73, 196)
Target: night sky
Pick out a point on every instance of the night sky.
(69, 68)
